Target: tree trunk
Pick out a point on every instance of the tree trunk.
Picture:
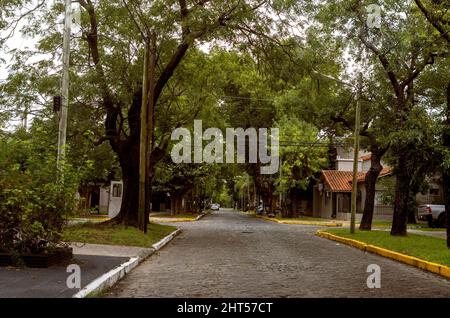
(370, 182)
(446, 172)
(446, 186)
(129, 163)
(173, 205)
(412, 208)
(399, 223)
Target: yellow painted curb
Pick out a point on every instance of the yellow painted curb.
(267, 218)
(316, 223)
(298, 222)
(171, 220)
(399, 257)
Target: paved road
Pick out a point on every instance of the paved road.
(229, 254)
(51, 282)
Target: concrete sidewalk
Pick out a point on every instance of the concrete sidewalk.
(438, 234)
(109, 250)
(93, 259)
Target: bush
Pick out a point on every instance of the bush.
(34, 203)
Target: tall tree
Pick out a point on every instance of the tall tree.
(414, 50)
(437, 13)
(107, 63)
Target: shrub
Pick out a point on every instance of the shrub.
(34, 202)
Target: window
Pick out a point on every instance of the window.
(434, 191)
(117, 191)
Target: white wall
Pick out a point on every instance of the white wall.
(104, 199)
(115, 199)
(347, 164)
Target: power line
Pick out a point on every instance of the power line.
(246, 98)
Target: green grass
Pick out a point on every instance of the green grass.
(116, 234)
(432, 249)
(382, 224)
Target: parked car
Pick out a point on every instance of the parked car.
(434, 214)
(215, 206)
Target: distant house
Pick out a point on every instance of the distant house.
(332, 194)
(98, 198)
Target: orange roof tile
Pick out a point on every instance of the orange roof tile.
(383, 173)
(340, 181)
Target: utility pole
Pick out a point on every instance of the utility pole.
(150, 126)
(65, 86)
(143, 142)
(356, 157)
(248, 191)
(147, 132)
(281, 176)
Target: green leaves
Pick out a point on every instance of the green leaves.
(34, 204)
(301, 158)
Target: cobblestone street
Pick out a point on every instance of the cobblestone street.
(230, 254)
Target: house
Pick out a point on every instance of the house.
(99, 198)
(332, 194)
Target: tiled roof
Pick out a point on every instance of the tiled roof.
(340, 181)
(383, 173)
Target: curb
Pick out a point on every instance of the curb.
(201, 216)
(174, 220)
(108, 279)
(399, 257)
(297, 222)
(159, 245)
(171, 220)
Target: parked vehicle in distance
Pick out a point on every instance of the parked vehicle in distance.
(434, 214)
(215, 206)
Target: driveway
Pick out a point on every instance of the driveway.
(230, 254)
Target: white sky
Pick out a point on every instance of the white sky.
(18, 41)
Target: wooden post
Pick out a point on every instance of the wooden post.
(355, 160)
(150, 126)
(143, 143)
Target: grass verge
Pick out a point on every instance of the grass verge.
(428, 248)
(116, 234)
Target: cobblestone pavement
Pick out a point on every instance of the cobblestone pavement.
(230, 254)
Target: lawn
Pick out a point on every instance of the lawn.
(381, 224)
(425, 247)
(96, 233)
